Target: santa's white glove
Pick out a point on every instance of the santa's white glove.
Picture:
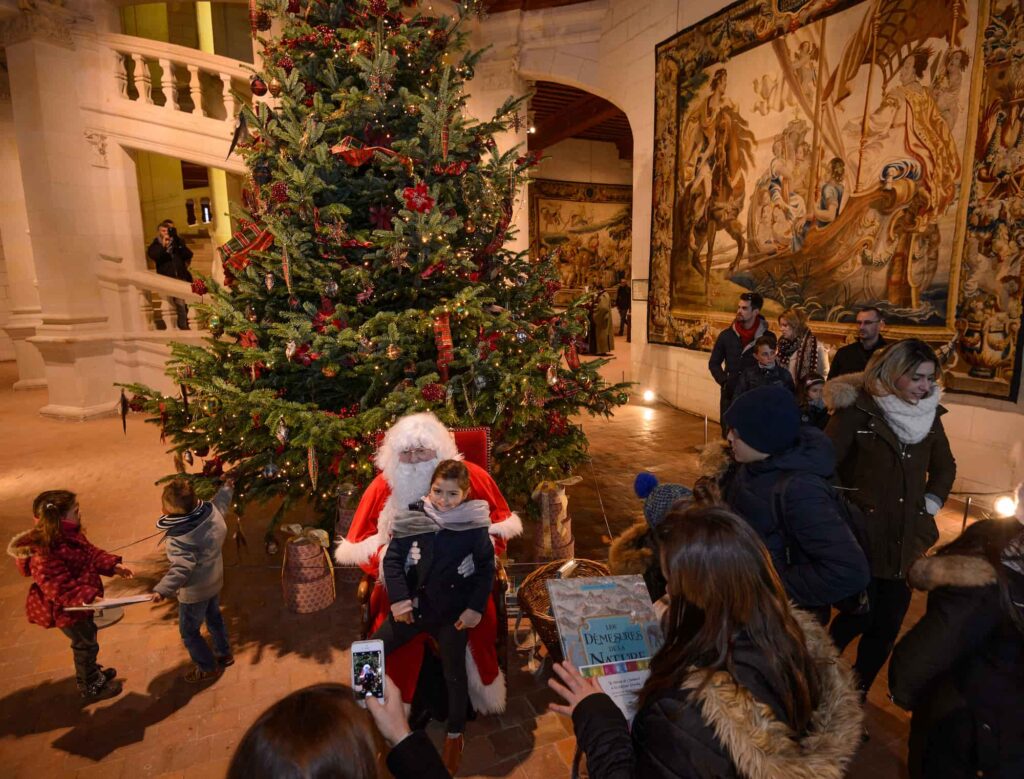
(467, 567)
(413, 558)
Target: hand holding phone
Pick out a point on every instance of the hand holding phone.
(368, 669)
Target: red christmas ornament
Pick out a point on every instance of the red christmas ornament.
(417, 198)
(213, 467)
(378, 7)
(433, 393)
(558, 424)
(572, 357)
(286, 64)
(248, 340)
(199, 287)
(293, 6)
(279, 192)
(258, 86)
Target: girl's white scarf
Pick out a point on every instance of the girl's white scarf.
(910, 422)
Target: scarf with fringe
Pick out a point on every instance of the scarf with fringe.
(910, 422)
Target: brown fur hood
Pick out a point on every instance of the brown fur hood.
(764, 748)
(628, 553)
(951, 570)
(22, 545)
(842, 391)
(714, 459)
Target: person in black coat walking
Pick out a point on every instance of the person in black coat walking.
(732, 350)
(893, 455)
(779, 485)
(172, 259)
(960, 669)
(744, 686)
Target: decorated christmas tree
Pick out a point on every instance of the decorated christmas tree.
(370, 279)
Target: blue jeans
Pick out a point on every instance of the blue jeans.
(190, 619)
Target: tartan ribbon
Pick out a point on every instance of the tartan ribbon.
(313, 535)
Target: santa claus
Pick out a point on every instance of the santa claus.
(411, 450)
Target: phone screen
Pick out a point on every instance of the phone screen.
(368, 672)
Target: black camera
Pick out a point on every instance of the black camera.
(172, 231)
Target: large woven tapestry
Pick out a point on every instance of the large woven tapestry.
(834, 154)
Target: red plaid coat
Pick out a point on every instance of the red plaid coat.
(66, 575)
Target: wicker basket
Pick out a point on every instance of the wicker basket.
(535, 601)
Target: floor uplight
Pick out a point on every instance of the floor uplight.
(1005, 506)
(648, 396)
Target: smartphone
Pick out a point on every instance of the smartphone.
(368, 669)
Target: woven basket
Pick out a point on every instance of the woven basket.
(535, 601)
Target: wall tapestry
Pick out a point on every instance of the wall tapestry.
(832, 154)
(590, 227)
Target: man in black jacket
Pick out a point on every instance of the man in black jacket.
(733, 348)
(623, 302)
(853, 358)
(172, 258)
(780, 487)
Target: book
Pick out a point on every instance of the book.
(608, 630)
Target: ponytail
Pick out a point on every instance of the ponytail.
(51, 507)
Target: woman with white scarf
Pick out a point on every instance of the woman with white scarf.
(893, 455)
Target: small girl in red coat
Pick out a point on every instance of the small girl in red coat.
(67, 569)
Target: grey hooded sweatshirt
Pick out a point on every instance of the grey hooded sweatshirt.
(194, 542)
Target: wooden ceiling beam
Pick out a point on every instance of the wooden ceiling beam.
(577, 117)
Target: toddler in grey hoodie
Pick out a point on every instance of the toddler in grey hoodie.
(194, 532)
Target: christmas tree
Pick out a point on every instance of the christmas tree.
(370, 280)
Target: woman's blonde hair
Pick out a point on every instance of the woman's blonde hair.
(888, 364)
(796, 317)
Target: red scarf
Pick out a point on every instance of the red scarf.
(746, 335)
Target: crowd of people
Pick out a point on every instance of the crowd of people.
(808, 528)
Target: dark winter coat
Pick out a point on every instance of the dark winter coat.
(442, 591)
(623, 299)
(729, 356)
(67, 574)
(961, 670)
(814, 416)
(853, 358)
(756, 376)
(634, 551)
(172, 261)
(732, 727)
(815, 552)
(414, 757)
(888, 479)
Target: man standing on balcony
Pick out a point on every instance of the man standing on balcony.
(172, 258)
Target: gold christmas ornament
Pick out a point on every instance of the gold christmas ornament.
(274, 86)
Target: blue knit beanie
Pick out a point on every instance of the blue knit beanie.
(766, 418)
(658, 498)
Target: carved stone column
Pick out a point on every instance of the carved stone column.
(63, 211)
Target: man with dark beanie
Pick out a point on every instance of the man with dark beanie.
(779, 485)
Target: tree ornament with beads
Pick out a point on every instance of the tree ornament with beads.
(311, 464)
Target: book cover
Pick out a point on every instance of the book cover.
(608, 630)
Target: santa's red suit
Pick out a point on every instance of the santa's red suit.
(364, 546)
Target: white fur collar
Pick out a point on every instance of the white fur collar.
(910, 422)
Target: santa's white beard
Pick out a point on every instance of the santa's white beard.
(409, 483)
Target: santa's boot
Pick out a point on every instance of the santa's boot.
(452, 754)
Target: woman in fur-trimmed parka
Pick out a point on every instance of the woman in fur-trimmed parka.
(744, 686)
(960, 669)
(893, 455)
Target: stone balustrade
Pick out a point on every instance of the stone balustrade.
(177, 78)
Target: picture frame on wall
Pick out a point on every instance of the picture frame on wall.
(640, 287)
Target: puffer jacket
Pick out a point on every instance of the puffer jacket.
(815, 553)
(888, 479)
(67, 574)
(732, 727)
(193, 543)
(961, 670)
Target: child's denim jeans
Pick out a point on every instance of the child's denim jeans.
(190, 619)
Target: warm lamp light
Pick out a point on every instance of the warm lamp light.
(1005, 506)
(648, 396)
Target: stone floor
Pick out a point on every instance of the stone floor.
(161, 726)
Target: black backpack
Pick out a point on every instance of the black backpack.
(851, 514)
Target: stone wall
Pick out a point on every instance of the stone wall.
(593, 162)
